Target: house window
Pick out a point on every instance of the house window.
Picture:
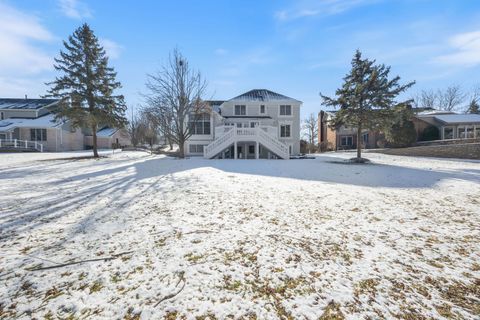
(469, 132)
(196, 148)
(262, 109)
(448, 133)
(285, 131)
(365, 138)
(240, 110)
(346, 141)
(38, 134)
(461, 132)
(201, 125)
(251, 149)
(285, 110)
(477, 132)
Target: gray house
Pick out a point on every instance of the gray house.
(257, 124)
(450, 125)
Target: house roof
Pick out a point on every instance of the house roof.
(433, 112)
(25, 104)
(247, 117)
(215, 104)
(43, 122)
(262, 95)
(458, 118)
(106, 132)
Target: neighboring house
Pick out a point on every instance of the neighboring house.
(344, 137)
(108, 138)
(450, 125)
(30, 124)
(257, 124)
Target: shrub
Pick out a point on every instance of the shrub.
(430, 133)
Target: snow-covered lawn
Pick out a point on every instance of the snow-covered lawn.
(151, 237)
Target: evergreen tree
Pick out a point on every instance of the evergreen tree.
(86, 85)
(400, 130)
(366, 98)
(473, 107)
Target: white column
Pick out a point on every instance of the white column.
(257, 150)
(235, 150)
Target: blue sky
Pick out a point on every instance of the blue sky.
(298, 48)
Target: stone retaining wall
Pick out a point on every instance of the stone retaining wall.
(461, 151)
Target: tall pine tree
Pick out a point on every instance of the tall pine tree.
(366, 98)
(86, 85)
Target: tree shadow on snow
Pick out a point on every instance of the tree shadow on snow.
(120, 182)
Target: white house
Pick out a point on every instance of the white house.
(257, 124)
(29, 124)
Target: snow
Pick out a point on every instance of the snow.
(106, 132)
(46, 121)
(459, 118)
(396, 238)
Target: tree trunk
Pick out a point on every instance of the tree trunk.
(359, 143)
(181, 148)
(170, 143)
(94, 141)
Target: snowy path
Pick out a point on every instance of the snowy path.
(239, 239)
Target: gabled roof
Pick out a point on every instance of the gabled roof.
(25, 104)
(458, 118)
(43, 122)
(262, 95)
(106, 132)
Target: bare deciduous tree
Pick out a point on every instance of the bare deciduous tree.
(450, 98)
(175, 99)
(310, 128)
(133, 128)
(425, 99)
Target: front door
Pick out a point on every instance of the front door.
(240, 154)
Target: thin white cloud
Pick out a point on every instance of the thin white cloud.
(75, 9)
(465, 49)
(310, 8)
(240, 64)
(112, 48)
(221, 52)
(20, 36)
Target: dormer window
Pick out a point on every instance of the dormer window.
(285, 110)
(240, 110)
(262, 109)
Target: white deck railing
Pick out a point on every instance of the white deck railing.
(218, 144)
(21, 144)
(226, 135)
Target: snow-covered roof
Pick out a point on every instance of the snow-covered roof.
(25, 104)
(44, 122)
(106, 132)
(458, 118)
(262, 95)
(434, 112)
